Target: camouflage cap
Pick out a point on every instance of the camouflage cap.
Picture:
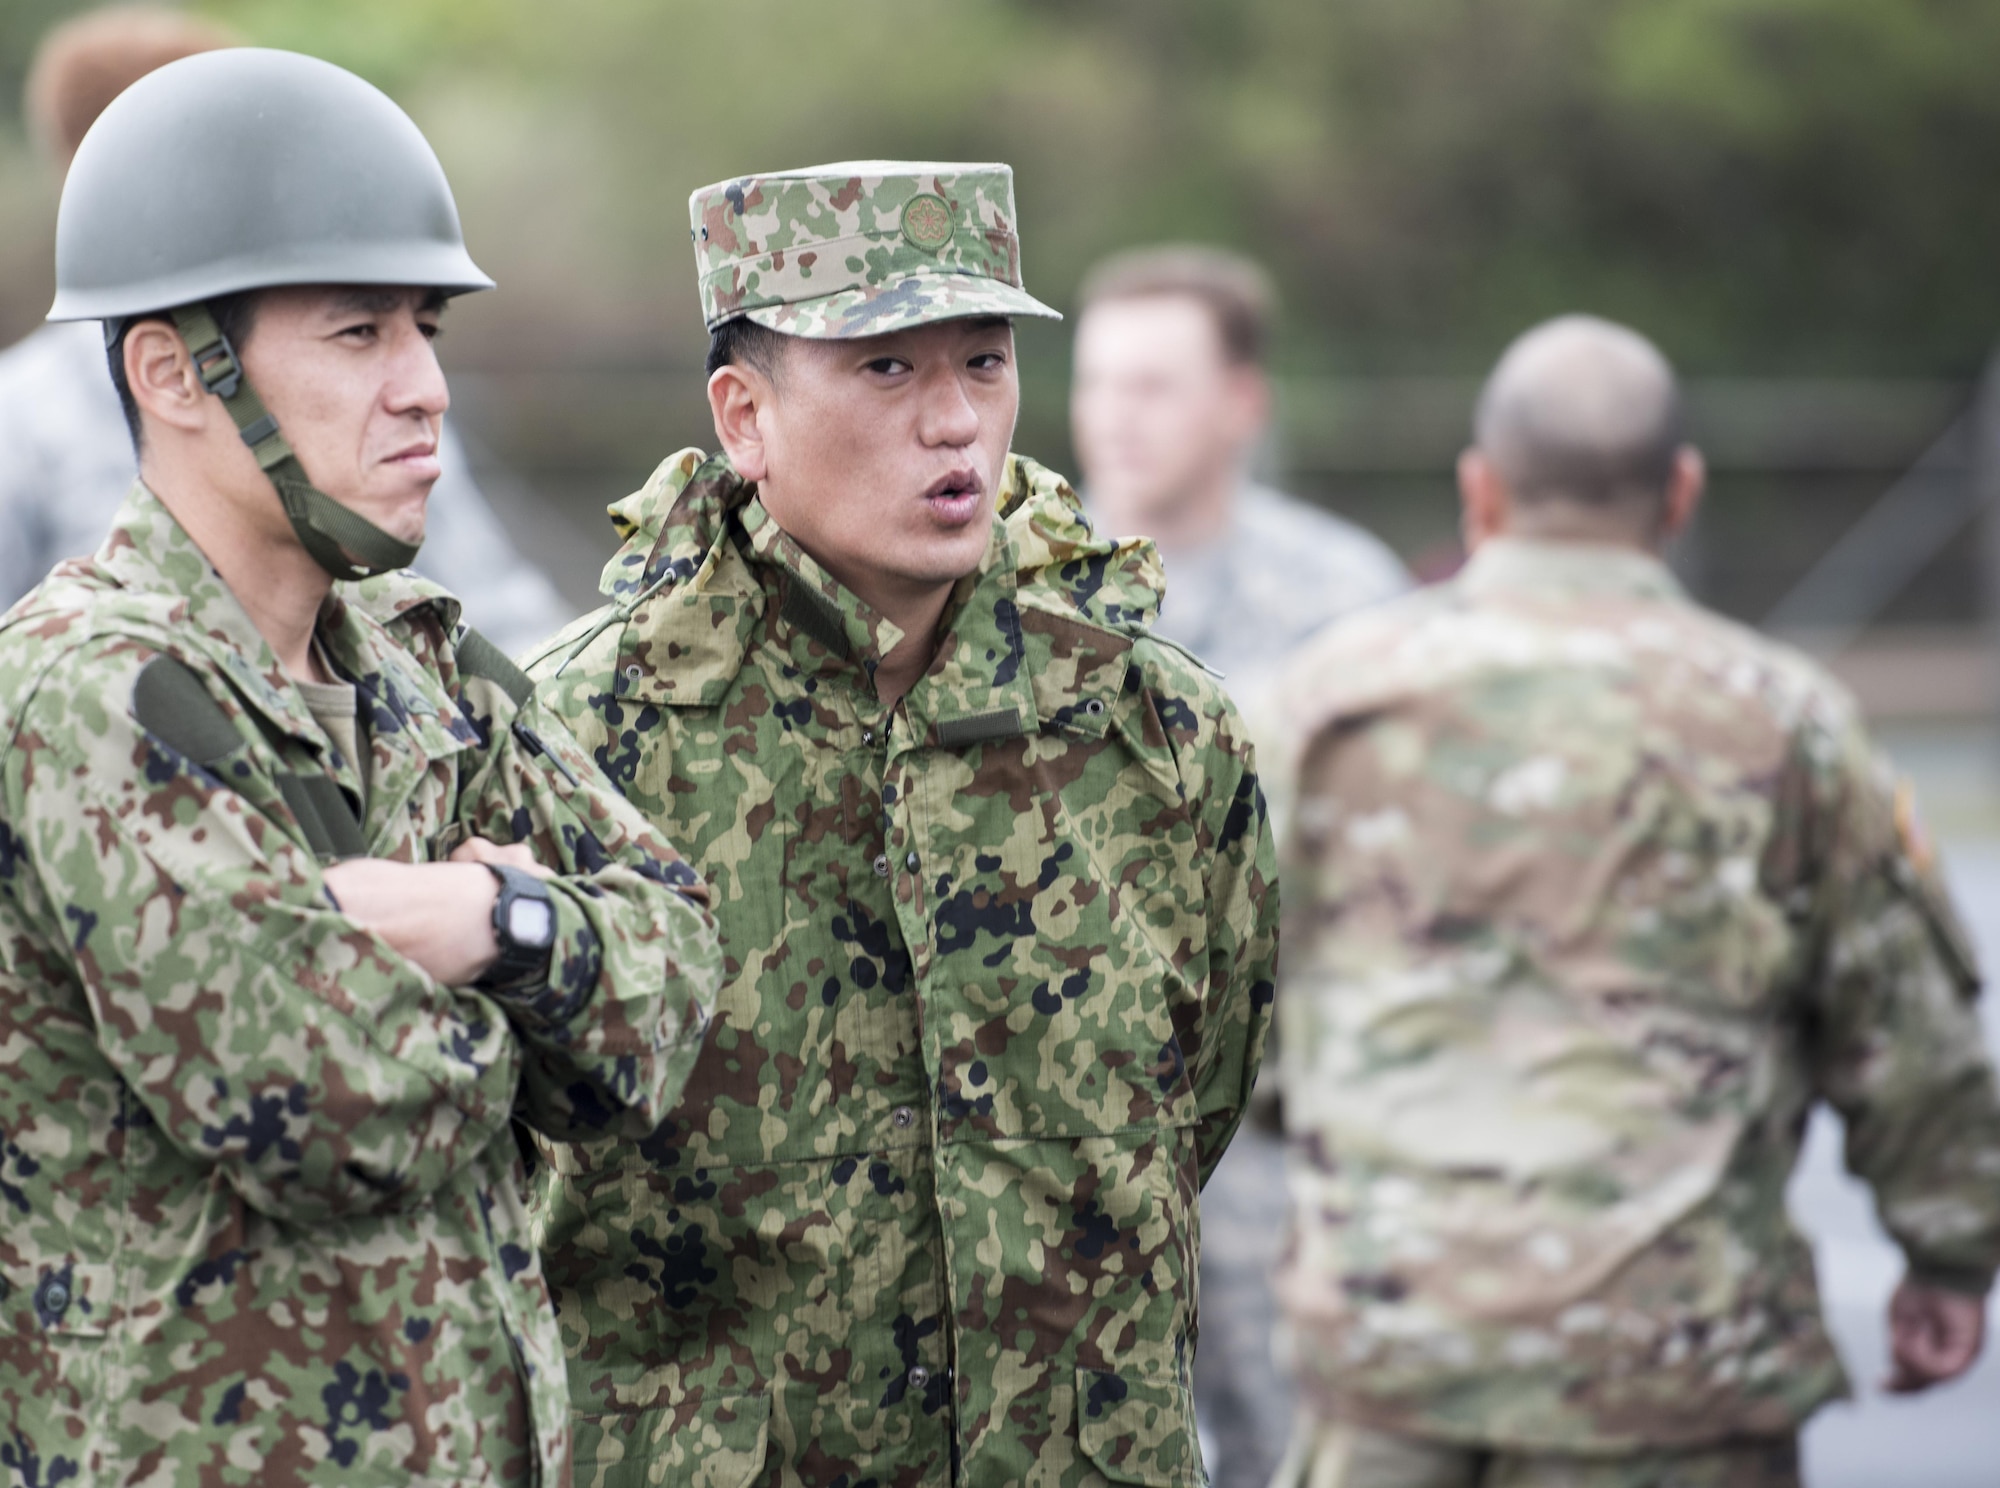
(860, 248)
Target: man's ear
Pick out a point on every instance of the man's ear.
(737, 396)
(1250, 402)
(1483, 506)
(1684, 492)
(162, 378)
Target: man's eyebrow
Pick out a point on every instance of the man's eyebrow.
(370, 300)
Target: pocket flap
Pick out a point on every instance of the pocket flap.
(1138, 1430)
(713, 1442)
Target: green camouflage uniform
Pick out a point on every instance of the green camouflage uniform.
(998, 960)
(998, 972)
(1591, 895)
(261, 1207)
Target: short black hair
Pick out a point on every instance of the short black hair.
(743, 343)
(234, 314)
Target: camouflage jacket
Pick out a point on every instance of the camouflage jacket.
(998, 971)
(261, 1208)
(1590, 895)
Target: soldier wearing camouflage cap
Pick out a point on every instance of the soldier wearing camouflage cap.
(304, 901)
(1590, 896)
(992, 875)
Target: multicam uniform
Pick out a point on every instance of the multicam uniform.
(998, 967)
(261, 1214)
(1590, 895)
(1280, 573)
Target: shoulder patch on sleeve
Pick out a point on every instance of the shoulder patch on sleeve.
(1915, 870)
(170, 703)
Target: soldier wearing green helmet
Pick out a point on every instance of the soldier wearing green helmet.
(304, 900)
(993, 880)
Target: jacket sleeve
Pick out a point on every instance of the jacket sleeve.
(611, 1040)
(317, 1070)
(1895, 1033)
(1234, 853)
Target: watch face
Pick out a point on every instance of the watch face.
(531, 922)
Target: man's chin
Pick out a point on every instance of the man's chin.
(402, 515)
(943, 568)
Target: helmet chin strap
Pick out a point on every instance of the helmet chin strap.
(343, 542)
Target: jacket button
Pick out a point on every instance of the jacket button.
(55, 1298)
(902, 1118)
(868, 736)
(919, 1377)
(911, 862)
(1094, 706)
(881, 865)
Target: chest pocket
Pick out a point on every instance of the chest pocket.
(723, 783)
(1068, 945)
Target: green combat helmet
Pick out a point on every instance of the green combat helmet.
(248, 169)
(860, 248)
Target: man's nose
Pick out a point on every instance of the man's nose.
(417, 383)
(948, 417)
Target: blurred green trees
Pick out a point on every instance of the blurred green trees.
(1777, 184)
(1774, 188)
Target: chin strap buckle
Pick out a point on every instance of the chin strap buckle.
(215, 360)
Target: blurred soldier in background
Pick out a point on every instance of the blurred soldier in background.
(304, 900)
(1591, 895)
(66, 457)
(992, 876)
(1169, 402)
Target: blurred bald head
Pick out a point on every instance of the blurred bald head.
(86, 62)
(1580, 426)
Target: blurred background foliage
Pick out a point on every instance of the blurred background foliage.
(1795, 185)
(1771, 188)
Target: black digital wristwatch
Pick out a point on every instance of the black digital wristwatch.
(524, 927)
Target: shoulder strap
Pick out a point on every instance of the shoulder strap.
(1147, 633)
(171, 704)
(325, 815)
(479, 657)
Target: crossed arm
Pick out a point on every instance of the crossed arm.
(335, 1060)
(437, 915)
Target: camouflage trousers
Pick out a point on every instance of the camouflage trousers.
(1326, 1454)
(1245, 1402)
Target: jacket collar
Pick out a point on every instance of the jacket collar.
(834, 625)
(1543, 569)
(703, 562)
(148, 552)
